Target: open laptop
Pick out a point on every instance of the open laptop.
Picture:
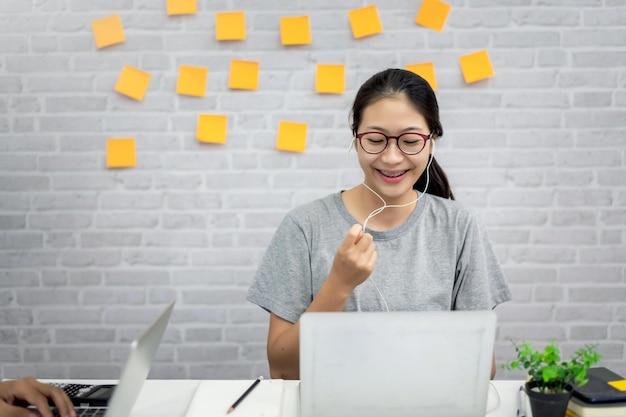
(398, 364)
(125, 393)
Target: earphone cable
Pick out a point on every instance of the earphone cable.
(384, 206)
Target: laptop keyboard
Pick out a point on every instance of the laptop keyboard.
(85, 412)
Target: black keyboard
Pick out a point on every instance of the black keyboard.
(72, 390)
(85, 412)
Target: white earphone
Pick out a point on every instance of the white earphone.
(384, 206)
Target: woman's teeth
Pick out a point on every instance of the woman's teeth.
(392, 174)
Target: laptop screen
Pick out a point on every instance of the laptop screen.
(138, 364)
(396, 364)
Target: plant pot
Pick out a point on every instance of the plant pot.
(547, 405)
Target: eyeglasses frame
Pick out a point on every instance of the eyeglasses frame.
(359, 136)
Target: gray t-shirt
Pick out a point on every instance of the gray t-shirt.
(440, 259)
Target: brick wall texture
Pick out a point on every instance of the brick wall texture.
(89, 255)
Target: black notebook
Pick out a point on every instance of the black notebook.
(598, 390)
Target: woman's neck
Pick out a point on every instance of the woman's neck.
(361, 202)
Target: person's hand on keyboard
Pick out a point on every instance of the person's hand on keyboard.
(17, 395)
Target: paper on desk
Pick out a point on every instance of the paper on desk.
(162, 398)
(213, 398)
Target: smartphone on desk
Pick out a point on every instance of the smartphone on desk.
(85, 394)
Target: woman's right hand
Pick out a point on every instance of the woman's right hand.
(355, 259)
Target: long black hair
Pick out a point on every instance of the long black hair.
(391, 83)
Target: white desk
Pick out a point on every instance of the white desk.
(210, 398)
(505, 406)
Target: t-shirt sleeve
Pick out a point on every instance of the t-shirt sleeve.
(480, 283)
(282, 284)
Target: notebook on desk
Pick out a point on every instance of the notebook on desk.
(213, 398)
(603, 386)
(125, 393)
(398, 364)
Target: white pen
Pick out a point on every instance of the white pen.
(521, 402)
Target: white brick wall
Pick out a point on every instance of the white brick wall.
(88, 255)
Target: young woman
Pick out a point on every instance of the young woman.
(397, 241)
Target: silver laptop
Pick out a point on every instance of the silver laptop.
(398, 364)
(135, 372)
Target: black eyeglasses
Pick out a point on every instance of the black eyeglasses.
(410, 143)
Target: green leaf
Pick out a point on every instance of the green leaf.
(548, 371)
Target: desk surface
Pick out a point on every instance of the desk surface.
(272, 398)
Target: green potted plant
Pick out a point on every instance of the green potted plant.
(550, 379)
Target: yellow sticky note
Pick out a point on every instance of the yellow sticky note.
(133, 82)
(291, 136)
(211, 128)
(476, 66)
(619, 385)
(295, 30)
(365, 21)
(426, 70)
(108, 31)
(330, 79)
(244, 75)
(230, 26)
(121, 153)
(191, 80)
(433, 14)
(175, 7)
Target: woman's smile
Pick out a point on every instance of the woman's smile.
(392, 176)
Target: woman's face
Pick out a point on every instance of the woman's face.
(392, 173)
